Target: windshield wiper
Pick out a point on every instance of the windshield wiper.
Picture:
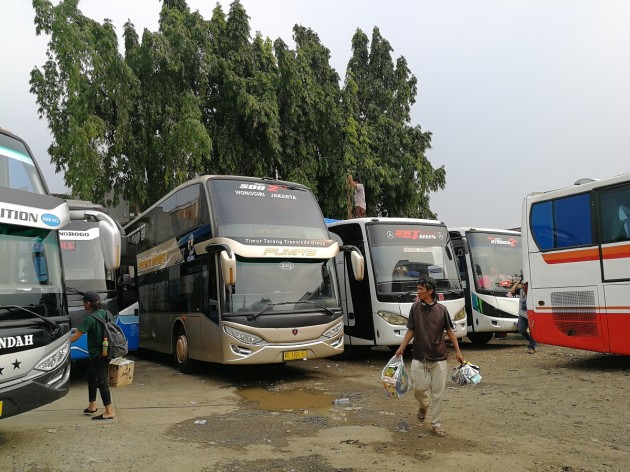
(16, 307)
(283, 185)
(271, 305)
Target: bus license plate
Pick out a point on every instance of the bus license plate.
(294, 355)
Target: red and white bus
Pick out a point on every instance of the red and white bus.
(576, 258)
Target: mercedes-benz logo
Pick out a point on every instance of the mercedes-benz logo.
(390, 234)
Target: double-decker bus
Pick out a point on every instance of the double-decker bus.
(34, 321)
(490, 262)
(91, 251)
(576, 259)
(397, 252)
(236, 270)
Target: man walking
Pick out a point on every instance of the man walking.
(426, 325)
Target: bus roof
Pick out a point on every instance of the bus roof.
(463, 229)
(205, 178)
(379, 219)
(583, 185)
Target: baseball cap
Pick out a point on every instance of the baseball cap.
(91, 297)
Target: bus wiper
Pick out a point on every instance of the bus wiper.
(270, 305)
(400, 295)
(283, 185)
(16, 307)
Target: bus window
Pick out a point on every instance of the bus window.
(565, 222)
(614, 214)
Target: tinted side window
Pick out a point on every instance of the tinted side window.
(614, 214)
(561, 223)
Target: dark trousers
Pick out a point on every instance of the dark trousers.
(97, 378)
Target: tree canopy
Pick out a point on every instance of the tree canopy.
(201, 96)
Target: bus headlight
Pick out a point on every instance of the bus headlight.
(55, 359)
(242, 336)
(334, 331)
(392, 318)
(461, 314)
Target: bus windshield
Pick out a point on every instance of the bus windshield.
(296, 284)
(402, 253)
(265, 213)
(31, 273)
(17, 169)
(82, 257)
(496, 261)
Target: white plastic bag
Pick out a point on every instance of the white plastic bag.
(466, 374)
(394, 378)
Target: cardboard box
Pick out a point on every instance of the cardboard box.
(120, 372)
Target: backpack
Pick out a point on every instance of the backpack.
(118, 345)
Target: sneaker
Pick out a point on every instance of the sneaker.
(531, 351)
(438, 431)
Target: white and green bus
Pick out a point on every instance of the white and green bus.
(236, 270)
(34, 321)
(490, 263)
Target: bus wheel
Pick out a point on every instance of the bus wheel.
(184, 362)
(480, 338)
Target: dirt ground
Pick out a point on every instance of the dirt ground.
(558, 410)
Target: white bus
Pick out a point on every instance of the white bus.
(91, 252)
(397, 252)
(490, 262)
(576, 259)
(236, 270)
(34, 321)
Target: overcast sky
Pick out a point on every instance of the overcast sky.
(520, 96)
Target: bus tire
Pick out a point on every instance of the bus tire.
(480, 338)
(180, 354)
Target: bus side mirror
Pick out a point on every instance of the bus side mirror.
(228, 268)
(358, 265)
(110, 238)
(125, 280)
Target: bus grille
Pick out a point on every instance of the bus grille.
(574, 313)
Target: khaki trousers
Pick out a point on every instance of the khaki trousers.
(429, 385)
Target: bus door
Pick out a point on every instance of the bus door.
(460, 249)
(360, 300)
(613, 210)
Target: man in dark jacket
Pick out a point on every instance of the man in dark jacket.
(426, 325)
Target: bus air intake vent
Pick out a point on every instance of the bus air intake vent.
(574, 313)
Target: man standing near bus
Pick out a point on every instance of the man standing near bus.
(359, 196)
(426, 325)
(97, 375)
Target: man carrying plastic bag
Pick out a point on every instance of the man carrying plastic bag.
(427, 322)
(395, 379)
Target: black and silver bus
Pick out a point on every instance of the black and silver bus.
(237, 270)
(34, 321)
(91, 251)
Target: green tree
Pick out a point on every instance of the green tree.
(86, 92)
(381, 145)
(309, 99)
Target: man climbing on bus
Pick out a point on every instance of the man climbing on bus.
(359, 196)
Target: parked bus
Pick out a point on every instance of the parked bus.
(397, 252)
(577, 261)
(34, 321)
(490, 263)
(236, 270)
(91, 251)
